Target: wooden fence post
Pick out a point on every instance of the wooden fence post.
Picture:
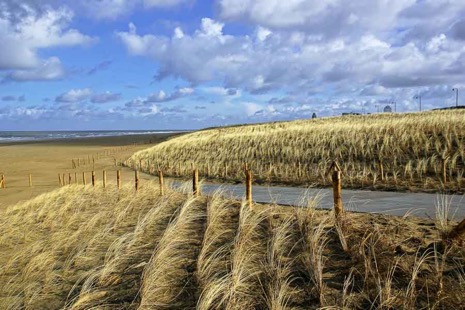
(136, 180)
(2, 182)
(337, 188)
(60, 182)
(75, 178)
(444, 170)
(30, 180)
(248, 187)
(104, 179)
(69, 178)
(93, 178)
(118, 178)
(160, 179)
(195, 182)
(381, 169)
(84, 181)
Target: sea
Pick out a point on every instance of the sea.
(19, 136)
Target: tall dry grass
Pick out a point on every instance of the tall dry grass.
(94, 248)
(383, 151)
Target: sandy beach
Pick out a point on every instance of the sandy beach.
(44, 160)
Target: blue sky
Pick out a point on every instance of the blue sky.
(186, 64)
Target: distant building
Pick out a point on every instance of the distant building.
(387, 109)
(314, 115)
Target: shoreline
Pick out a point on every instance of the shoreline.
(100, 140)
(45, 159)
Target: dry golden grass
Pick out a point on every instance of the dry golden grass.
(93, 248)
(383, 151)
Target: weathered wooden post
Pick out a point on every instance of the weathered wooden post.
(381, 169)
(160, 180)
(30, 180)
(444, 170)
(337, 188)
(136, 180)
(84, 181)
(60, 182)
(248, 187)
(75, 178)
(69, 178)
(2, 182)
(195, 182)
(93, 178)
(104, 178)
(118, 178)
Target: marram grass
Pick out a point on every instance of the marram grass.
(414, 151)
(94, 248)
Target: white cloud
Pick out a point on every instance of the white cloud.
(74, 95)
(105, 97)
(50, 69)
(302, 61)
(327, 17)
(25, 36)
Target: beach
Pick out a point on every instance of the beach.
(44, 160)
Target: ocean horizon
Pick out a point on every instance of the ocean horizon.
(20, 136)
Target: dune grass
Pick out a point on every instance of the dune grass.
(94, 248)
(415, 151)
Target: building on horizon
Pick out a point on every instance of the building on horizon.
(387, 109)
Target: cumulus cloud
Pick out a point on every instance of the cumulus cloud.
(26, 30)
(302, 51)
(74, 95)
(50, 69)
(105, 97)
(318, 17)
(160, 97)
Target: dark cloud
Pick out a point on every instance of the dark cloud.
(104, 65)
(8, 98)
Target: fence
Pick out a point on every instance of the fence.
(334, 170)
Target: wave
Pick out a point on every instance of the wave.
(19, 136)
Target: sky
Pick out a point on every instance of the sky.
(188, 64)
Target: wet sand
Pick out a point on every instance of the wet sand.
(44, 160)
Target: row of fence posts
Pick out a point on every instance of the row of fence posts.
(3, 181)
(334, 170)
